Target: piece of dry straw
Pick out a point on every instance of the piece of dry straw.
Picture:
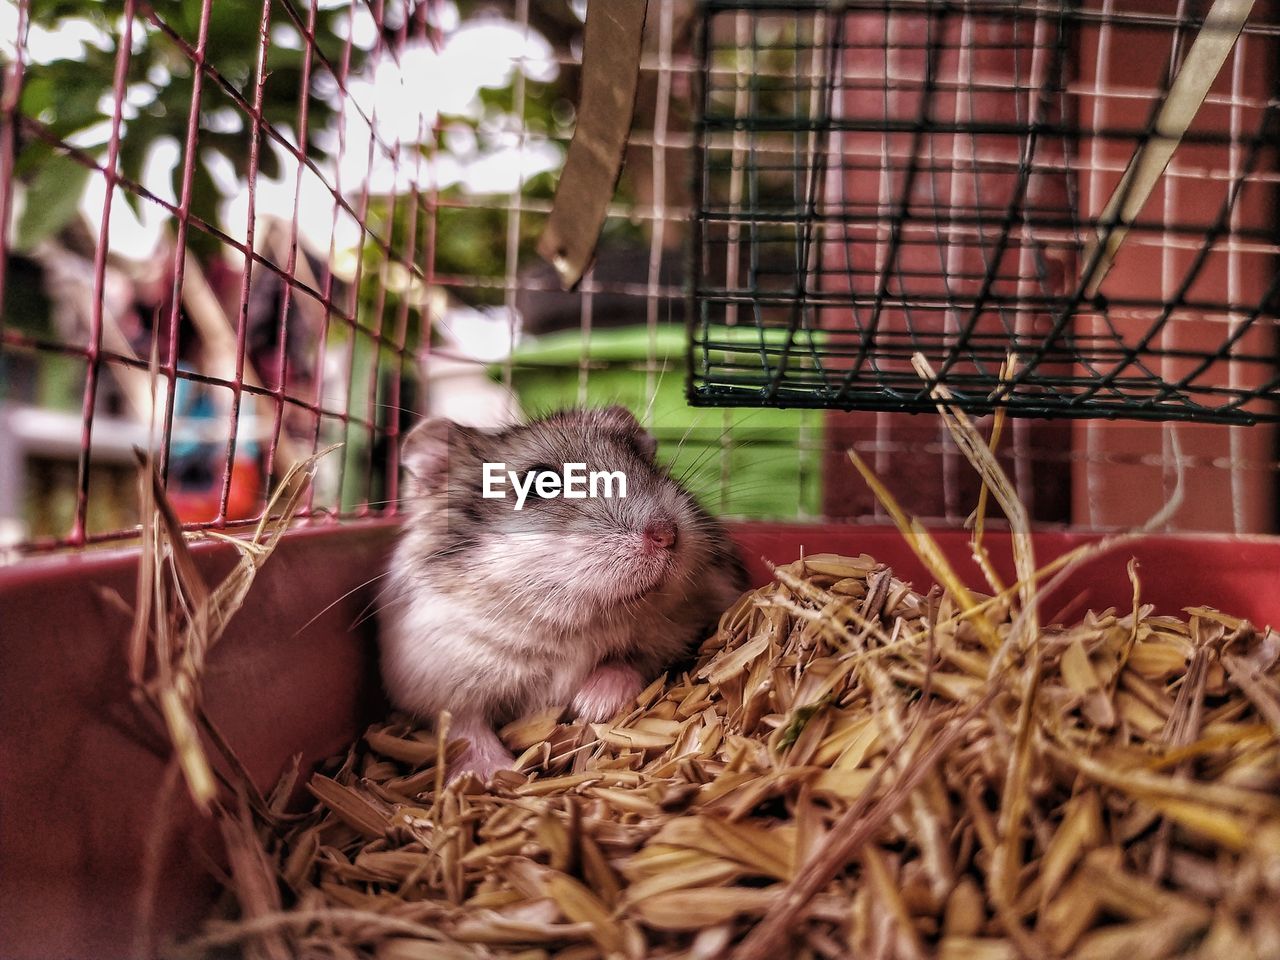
(851, 768)
(178, 617)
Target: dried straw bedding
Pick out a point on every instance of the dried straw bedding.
(851, 768)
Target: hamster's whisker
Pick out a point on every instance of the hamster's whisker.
(711, 449)
(361, 586)
(699, 461)
(680, 445)
(383, 503)
(371, 607)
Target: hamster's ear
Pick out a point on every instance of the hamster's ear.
(624, 421)
(425, 452)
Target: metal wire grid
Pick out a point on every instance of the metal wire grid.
(384, 327)
(922, 176)
(355, 401)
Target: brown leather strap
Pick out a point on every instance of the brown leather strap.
(610, 74)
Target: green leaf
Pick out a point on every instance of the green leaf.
(799, 718)
(52, 200)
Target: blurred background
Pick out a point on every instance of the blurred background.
(317, 222)
(322, 235)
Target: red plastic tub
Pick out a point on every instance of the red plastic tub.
(81, 775)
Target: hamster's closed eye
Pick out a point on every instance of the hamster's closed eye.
(535, 473)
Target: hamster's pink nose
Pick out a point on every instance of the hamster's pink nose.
(660, 534)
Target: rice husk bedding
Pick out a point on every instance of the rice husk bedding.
(851, 768)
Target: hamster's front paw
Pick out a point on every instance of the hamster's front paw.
(607, 689)
(485, 755)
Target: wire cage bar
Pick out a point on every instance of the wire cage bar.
(949, 179)
(342, 241)
(231, 337)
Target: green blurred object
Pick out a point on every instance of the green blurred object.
(751, 463)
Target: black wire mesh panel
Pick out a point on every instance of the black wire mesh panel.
(879, 180)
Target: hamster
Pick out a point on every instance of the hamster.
(493, 613)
